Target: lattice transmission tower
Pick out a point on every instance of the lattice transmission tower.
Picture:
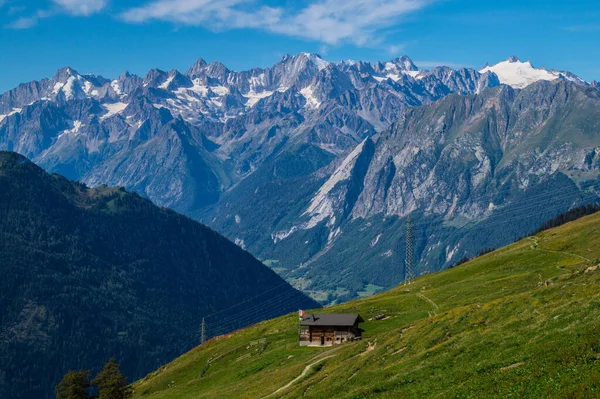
(409, 266)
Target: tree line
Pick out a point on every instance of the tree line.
(109, 383)
(569, 216)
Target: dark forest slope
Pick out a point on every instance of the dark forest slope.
(92, 273)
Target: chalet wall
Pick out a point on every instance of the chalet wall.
(327, 336)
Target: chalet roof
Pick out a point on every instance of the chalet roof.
(332, 319)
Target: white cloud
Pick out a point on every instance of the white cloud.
(396, 49)
(73, 7)
(219, 14)
(329, 21)
(29, 21)
(82, 7)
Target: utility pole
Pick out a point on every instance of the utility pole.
(409, 271)
(203, 332)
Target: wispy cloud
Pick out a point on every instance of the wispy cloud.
(583, 28)
(329, 21)
(396, 49)
(72, 7)
(82, 7)
(30, 20)
(219, 14)
(16, 10)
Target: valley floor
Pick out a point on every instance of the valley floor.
(518, 322)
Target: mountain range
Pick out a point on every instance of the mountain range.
(314, 166)
(473, 171)
(94, 273)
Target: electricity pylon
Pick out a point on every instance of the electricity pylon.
(409, 270)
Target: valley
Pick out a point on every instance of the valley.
(270, 199)
(313, 166)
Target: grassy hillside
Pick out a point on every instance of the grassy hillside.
(518, 322)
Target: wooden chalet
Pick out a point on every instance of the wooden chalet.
(329, 329)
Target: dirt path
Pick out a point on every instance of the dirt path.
(433, 304)
(536, 242)
(302, 375)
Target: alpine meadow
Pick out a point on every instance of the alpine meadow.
(305, 211)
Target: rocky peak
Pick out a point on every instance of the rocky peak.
(217, 70)
(196, 69)
(63, 74)
(155, 77)
(404, 63)
(176, 80)
(297, 70)
(124, 76)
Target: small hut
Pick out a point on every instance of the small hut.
(329, 329)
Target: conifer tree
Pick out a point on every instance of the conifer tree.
(111, 383)
(74, 385)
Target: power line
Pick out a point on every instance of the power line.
(252, 314)
(541, 203)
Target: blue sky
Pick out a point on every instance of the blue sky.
(107, 37)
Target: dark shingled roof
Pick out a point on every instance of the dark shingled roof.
(345, 320)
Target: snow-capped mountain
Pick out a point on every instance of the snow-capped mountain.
(81, 124)
(206, 140)
(519, 74)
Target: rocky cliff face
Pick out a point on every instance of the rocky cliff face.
(211, 127)
(474, 171)
(298, 160)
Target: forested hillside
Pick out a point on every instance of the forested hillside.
(88, 274)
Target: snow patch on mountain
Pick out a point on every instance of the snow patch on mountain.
(115, 86)
(311, 100)
(219, 90)
(257, 81)
(113, 109)
(317, 60)
(76, 127)
(253, 97)
(519, 74)
(166, 83)
(75, 86)
(14, 111)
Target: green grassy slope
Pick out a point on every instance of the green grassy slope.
(518, 322)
